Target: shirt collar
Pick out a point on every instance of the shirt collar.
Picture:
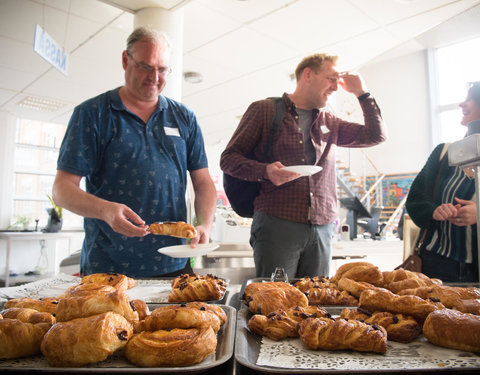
(292, 108)
(117, 103)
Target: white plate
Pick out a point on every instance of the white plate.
(304, 170)
(182, 251)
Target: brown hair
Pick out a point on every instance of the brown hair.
(314, 62)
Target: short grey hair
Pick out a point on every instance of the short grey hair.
(147, 33)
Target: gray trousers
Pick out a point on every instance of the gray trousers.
(301, 249)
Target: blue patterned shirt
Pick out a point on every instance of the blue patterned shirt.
(143, 166)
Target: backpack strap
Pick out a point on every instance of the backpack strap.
(277, 120)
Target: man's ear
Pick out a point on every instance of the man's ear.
(124, 59)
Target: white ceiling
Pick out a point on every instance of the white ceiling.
(245, 50)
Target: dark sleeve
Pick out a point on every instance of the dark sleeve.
(420, 203)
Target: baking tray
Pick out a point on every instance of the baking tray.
(118, 364)
(289, 356)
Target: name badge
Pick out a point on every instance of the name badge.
(324, 129)
(172, 131)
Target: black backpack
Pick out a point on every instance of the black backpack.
(241, 193)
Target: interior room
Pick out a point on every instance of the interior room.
(228, 54)
(219, 314)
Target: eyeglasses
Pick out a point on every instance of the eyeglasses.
(163, 71)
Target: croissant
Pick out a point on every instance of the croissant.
(85, 340)
(79, 307)
(177, 347)
(339, 334)
(194, 287)
(48, 304)
(399, 327)
(117, 280)
(174, 229)
(27, 315)
(180, 316)
(266, 301)
(359, 271)
(382, 299)
(20, 339)
(453, 329)
(330, 296)
(283, 323)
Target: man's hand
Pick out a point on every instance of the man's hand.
(203, 235)
(279, 176)
(352, 82)
(123, 220)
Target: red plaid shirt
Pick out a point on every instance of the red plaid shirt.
(307, 199)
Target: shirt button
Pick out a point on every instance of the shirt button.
(311, 194)
(303, 159)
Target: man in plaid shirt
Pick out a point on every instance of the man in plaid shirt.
(293, 222)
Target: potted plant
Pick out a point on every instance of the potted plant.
(55, 217)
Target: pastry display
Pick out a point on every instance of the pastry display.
(194, 287)
(399, 327)
(175, 229)
(85, 340)
(339, 334)
(453, 329)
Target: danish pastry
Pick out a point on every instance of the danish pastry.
(177, 347)
(283, 323)
(354, 287)
(48, 304)
(447, 295)
(252, 288)
(180, 316)
(307, 283)
(194, 287)
(20, 339)
(85, 340)
(330, 296)
(80, 307)
(339, 334)
(453, 329)
(399, 327)
(117, 280)
(174, 229)
(359, 271)
(401, 279)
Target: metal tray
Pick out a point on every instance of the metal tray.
(118, 364)
(418, 356)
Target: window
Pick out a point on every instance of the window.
(36, 152)
(456, 66)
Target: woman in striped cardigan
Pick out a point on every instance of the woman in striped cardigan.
(441, 201)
